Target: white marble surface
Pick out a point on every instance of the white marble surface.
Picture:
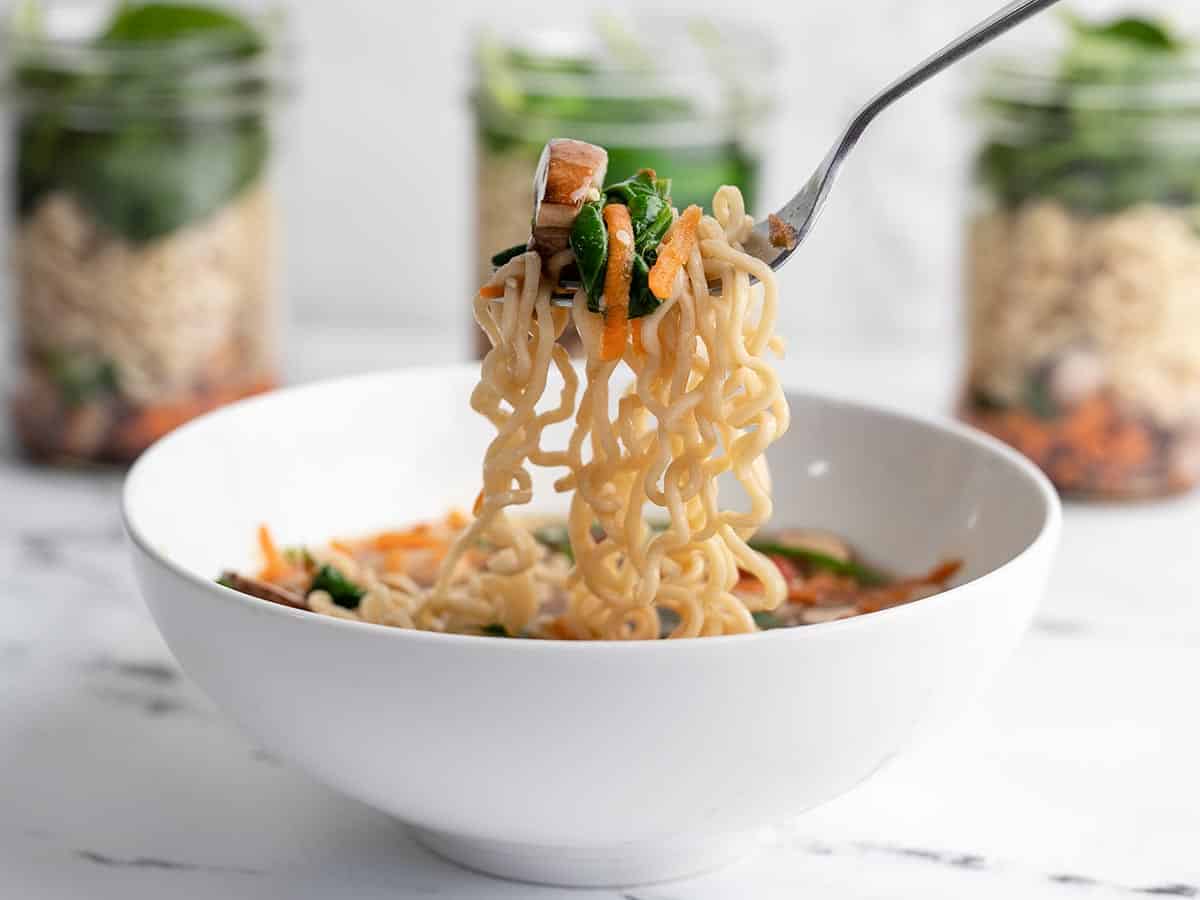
(1075, 776)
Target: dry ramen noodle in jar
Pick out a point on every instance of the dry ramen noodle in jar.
(1084, 261)
(142, 250)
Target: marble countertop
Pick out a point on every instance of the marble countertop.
(1075, 776)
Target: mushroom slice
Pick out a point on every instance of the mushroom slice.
(568, 175)
(264, 590)
(817, 541)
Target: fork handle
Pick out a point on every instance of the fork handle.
(991, 27)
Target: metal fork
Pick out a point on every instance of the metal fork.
(791, 225)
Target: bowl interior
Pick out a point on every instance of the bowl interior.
(349, 456)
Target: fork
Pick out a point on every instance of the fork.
(776, 239)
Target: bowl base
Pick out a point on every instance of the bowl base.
(621, 865)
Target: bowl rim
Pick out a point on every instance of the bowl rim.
(1047, 533)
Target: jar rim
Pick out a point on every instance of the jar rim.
(1033, 76)
(701, 87)
(578, 36)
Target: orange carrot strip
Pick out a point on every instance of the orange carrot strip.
(404, 540)
(478, 507)
(276, 566)
(616, 281)
(943, 572)
(492, 291)
(342, 547)
(395, 560)
(456, 519)
(673, 252)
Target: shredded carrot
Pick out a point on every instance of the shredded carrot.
(492, 291)
(478, 507)
(943, 572)
(404, 540)
(616, 281)
(342, 547)
(456, 519)
(275, 565)
(673, 252)
(561, 629)
(748, 584)
(395, 560)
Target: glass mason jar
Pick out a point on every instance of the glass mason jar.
(142, 253)
(1083, 266)
(694, 108)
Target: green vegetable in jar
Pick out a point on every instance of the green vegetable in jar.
(148, 164)
(81, 378)
(1070, 142)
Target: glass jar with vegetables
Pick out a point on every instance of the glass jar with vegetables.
(691, 97)
(143, 239)
(1083, 260)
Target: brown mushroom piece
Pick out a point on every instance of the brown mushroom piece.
(568, 175)
(823, 542)
(263, 590)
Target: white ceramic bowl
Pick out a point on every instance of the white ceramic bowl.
(579, 763)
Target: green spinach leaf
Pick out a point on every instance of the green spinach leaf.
(344, 592)
(767, 621)
(1129, 30)
(508, 255)
(862, 574)
(649, 207)
(557, 539)
(642, 301)
(136, 23)
(589, 243)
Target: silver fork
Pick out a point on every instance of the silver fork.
(793, 223)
